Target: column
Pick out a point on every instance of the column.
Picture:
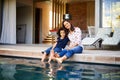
(98, 16)
(12, 21)
(8, 34)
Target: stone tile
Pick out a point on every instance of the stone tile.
(33, 51)
(105, 59)
(117, 60)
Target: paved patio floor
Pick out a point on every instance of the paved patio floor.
(89, 55)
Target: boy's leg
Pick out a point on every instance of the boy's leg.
(51, 55)
(46, 52)
(44, 57)
(55, 53)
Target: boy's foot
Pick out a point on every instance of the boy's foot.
(41, 60)
(43, 64)
(60, 68)
(49, 61)
(56, 55)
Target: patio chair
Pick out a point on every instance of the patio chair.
(114, 40)
(97, 40)
(91, 31)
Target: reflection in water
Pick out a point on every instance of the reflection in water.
(53, 68)
(35, 70)
(8, 71)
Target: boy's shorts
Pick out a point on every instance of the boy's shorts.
(56, 50)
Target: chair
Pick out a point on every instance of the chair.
(91, 31)
(114, 40)
(100, 36)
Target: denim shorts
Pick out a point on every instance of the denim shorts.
(56, 50)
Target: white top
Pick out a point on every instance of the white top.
(75, 37)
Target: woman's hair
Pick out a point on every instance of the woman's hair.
(58, 33)
(71, 28)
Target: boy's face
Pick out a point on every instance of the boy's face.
(62, 33)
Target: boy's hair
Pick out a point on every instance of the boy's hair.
(66, 32)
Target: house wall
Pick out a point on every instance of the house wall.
(78, 11)
(46, 22)
(25, 16)
(83, 14)
(91, 13)
(25, 2)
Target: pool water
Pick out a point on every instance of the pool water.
(26, 69)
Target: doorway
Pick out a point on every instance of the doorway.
(38, 25)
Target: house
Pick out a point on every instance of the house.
(29, 21)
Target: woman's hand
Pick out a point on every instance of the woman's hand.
(71, 46)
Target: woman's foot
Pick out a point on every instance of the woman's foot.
(59, 60)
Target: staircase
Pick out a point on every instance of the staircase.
(49, 39)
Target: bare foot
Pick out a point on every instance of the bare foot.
(49, 60)
(56, 55)
(43, 64)
(42, 60)
(59, 60)
(60, 68)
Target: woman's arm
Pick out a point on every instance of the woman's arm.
(77, 38)
(71, 46)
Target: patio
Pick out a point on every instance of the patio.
(88, 55)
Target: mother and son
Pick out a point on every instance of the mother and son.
(67, 35)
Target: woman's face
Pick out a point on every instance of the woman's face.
(67, 25)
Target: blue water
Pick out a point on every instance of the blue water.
(34, 70)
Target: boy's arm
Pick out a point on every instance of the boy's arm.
(54, 45)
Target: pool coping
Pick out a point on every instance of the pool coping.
(89, 56)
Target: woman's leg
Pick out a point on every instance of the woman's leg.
(70, 53)
(62, 53)
(61, 59)
(61, 56)
(77, 49)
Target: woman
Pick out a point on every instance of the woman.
(75, 46)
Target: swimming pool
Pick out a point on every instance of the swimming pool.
(31, 69)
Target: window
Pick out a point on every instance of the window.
(110, 13)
